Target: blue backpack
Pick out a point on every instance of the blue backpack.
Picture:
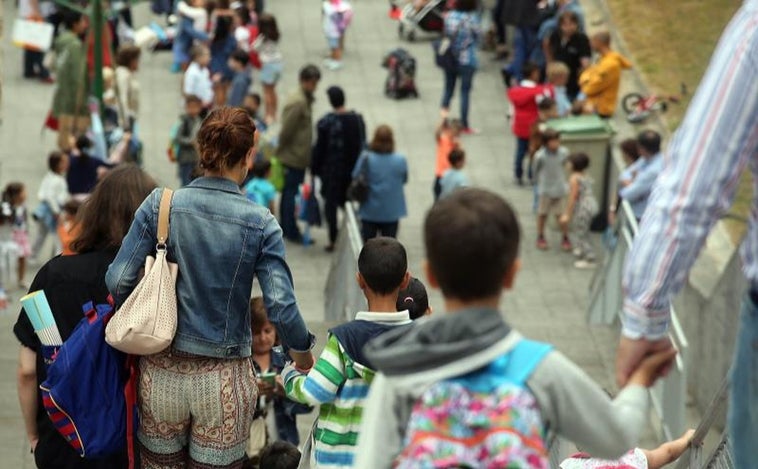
(85, 393)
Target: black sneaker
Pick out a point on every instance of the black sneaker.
(507, 77)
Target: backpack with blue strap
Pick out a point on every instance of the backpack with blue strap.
(487, 418)
(91, 388)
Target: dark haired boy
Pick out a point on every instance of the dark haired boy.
(279, 455)
(259, 189)
(472, 242)
(340, 379)
(238, 63)
(252, 104)
(183, 138)
(454, 178)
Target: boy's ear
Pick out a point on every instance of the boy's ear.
(361, 281)
(406, 280)
(430, 278)
(510, 275)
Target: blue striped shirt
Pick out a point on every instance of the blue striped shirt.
(464, 31)
(716, 141)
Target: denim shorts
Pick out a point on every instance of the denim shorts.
(271, 72)
(334, 42)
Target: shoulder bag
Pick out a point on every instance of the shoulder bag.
(445, 56)
(358, 189)
(146, 322)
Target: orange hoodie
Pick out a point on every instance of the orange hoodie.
(600, 82)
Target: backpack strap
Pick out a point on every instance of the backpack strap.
(524, 358)
(163, 213)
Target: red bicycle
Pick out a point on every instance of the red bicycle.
(639, 107)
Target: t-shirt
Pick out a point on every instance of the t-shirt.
(445, 144)
(260, 191)
(550, 173)
(452, 179)
(69, 282)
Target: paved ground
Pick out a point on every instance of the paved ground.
(550, 296)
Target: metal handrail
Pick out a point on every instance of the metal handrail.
(669, 395)
(693, 457)
(343, 298)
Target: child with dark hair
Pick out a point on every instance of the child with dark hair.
(67, 230)
(241, 80)
(84, 169)
(184, 136)
(454, 178)
(415, 299)
(13, 215)
(259, 189)
(340, 379)
(52, 194)
(275, 416)
(279, 455)
(551, 185)
(581, 208)
(464, 389)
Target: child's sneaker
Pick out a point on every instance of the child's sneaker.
(577, 252)
(585, 264)
(566, 244)
(542, 243)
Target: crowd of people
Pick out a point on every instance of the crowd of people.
(393, 388)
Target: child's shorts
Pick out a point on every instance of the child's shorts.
(270, 73)
(551, 205)
(334, 42)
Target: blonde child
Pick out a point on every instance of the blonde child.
(13, 214)
(447, 134)
(267, 46)
(581, 208)
(558, 75)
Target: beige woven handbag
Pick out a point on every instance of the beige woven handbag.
(146, 323)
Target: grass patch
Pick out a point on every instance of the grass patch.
(671, 42)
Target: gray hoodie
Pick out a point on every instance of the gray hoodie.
(409, 360)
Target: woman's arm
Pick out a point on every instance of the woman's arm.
(26, 380)
(122, 274)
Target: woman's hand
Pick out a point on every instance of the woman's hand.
(303, 360)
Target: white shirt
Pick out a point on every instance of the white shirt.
(197, 81)
(53, 190)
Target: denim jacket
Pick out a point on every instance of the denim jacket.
(220, 240)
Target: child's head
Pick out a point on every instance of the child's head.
(268, 27)
(241, 16)
(568, 23)
(629, 150)
(578, 162)
(279, 455)
(201, 55)
(382, 267)
(551, 139)
(531, 71)
(261, 169)
(547, 108)
(457, 158)
(557, 73)
(454, 127)
(74, 21)
(252, 103)
(415, 299)
(15, 193)
(57, 162)
(472, 241)
(238, 60)
(193, 105)
(264, 334)
(128, 56)
(601, 41)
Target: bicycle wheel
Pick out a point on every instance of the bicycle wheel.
(631, 102)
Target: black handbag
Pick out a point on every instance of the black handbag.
(358, 189)
(445, 56)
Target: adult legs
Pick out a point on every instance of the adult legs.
(467, 78)
(389, 229)
(293, 177)
(522, 147)
(369, 229)
(524, 42)
(447, 93)
(743, 405)
(330, 213)
(497, 14)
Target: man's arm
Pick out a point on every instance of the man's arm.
(701, 171)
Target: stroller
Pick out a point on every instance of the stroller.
(401, 80)
(424, 15)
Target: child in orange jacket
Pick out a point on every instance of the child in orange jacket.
(600, 82)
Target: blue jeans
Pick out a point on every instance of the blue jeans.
(293, 177)
(743, 408)
(522, 148)
(466, 72)
(523, 46)
(185, 172)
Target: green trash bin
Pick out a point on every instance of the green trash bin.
(590, 135)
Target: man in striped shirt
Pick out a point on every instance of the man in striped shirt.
(340, 379)
(716, 141)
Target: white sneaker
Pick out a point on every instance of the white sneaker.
(332, 64)
(585, 264)
(577, 252)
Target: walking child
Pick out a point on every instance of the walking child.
(447, 134)
(52, 195)
(551, 186)
(183, 141)
(464, 389)
(337, 15)
(13, 214)
(581, 208)
(267, 46)
(454, 178)
(341, 377)
(197, 80)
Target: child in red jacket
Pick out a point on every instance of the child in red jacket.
(524, 99)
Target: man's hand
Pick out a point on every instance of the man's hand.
(631, 352)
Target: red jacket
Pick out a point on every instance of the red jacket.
(524, 100)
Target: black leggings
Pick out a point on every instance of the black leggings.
(372, 229)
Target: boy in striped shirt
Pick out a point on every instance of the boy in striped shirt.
(340, 379)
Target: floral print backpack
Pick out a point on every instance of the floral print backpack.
(485, 419)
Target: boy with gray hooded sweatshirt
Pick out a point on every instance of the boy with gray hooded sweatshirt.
(464, 389)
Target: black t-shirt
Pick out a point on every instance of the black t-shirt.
(69, 282)
(571, 53)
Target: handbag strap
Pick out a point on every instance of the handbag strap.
(163, 212)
